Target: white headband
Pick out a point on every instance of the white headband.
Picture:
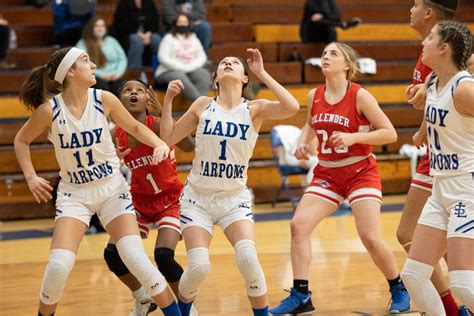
(68, 60)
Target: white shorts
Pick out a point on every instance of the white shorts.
(451, 206)
(205, 210)
(109, 199)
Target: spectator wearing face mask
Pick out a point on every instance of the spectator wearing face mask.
(182, 57)
(197, 13)
(106, 52)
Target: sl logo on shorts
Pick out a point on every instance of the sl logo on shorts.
(460, 210)
(323, 183)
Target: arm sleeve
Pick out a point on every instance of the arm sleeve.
(165, 53)
(169, 11)
(121, 20)
(200, 59)
(199, 11)
(122, 62)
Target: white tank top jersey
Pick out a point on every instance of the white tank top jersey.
(450, 134)
(84, 147)
(224, 144)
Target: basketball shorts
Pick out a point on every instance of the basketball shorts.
(206, 210)
(451, 206)
(422, 179)
(356, 182)
(158, 211)
(108, 199)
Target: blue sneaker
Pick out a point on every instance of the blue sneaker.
(463, 311)
(295, 304)
(400, 299)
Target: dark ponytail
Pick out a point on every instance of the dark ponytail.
(40, 81)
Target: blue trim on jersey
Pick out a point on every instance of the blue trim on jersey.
(96, 99)
(248, 214)
(99, 109)
(453, 88)
(130, 205)
(466, 226)
(56, 104)
(56, 115)
(56, 107)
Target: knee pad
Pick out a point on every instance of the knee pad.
(416, 278)
(195, 274)
(57, 271)
(130, 249)
(114, 262)
(249, 266)
(171, 270)
(462, 285)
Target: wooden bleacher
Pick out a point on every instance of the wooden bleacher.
(271, 26)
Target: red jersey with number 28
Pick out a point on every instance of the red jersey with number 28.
(148, 178)
(342, 117)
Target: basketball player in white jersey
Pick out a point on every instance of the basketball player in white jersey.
(91, 182)
(215, 193)
(447, 220)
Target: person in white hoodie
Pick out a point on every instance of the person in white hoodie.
(182, 57)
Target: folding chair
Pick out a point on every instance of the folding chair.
(284, 170)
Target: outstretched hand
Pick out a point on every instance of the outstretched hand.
(152, 103)
(160, 153)
(175, 87)
(255, 61)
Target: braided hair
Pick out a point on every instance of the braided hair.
(459, 37)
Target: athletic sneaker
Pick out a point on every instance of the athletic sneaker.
(400, 299)
(463, 311)
(295, 304)
(143, 308)
(194, 311)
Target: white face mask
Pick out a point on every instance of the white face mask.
(100, 34)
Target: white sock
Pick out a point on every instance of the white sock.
(140, 294)
(462, 285)
(416, 277)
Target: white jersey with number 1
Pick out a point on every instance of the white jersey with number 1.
(450, 134)
(225, 140)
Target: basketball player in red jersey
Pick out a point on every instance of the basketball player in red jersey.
(425, 14)
(155, 193)
(346, 120)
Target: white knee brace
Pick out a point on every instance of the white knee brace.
(198, 268)
(55, 276)
(416, 277)
(133, 254)
(249, 266)
(462, 285)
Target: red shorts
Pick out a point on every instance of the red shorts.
(422, 179)
(356, 182)
(157, 211)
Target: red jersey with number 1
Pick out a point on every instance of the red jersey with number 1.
(342, 117)
(147, 178)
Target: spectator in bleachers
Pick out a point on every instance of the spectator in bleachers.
(70, 17)
(196, 11)
(320, 19)
(106, 52)
(182, 57)
(136, 26)
(4, 42)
